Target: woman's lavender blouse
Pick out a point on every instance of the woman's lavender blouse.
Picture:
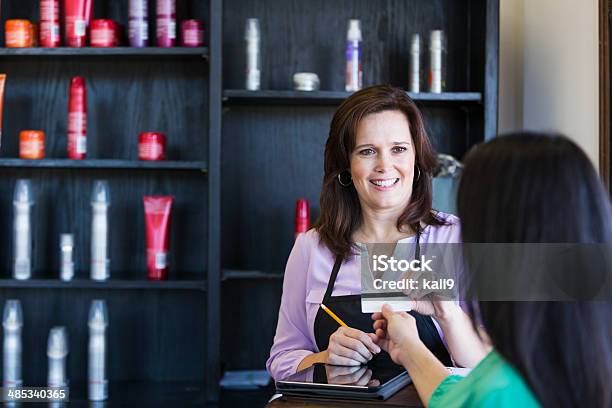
(306, 275)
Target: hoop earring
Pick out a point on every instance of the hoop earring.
(346, 184)
(419, 173)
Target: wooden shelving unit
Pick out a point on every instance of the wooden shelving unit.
(159, 350)
(237, 161)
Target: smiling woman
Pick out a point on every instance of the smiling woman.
(376, 189)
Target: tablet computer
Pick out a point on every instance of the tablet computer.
(355, 382)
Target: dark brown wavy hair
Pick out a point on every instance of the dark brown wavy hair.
(340, 208)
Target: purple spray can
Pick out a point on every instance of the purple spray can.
(139, 24)
(166, 23)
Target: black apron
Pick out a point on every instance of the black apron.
(348, 308)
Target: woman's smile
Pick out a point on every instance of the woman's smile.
(386, 184)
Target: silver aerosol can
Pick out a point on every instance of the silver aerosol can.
(97, 382)
(415, 64)
(12, 322)
(67, 257)
(437, 61)
(57, 350)
(22, 230)
(253, 55)
(100, 201)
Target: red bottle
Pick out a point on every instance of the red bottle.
(49, 23)
(77, 119)
(302, 216)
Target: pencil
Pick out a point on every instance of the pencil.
(333, 315)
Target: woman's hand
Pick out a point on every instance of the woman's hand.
(351, 347)
(435, 306)
(397, 332)
(352, 375)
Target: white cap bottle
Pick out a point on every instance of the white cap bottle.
(57, 350)
(12, 322)
(97, 382)
(436, 61)
(415, 63)
(253, 55)
(22, 230)
(67, 257)
(100, 201)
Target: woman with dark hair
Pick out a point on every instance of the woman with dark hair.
(376, 189)
(520, 188)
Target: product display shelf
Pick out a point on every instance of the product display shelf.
(160, 337)
(232, 274)
(105, 52)
(199, 285)
(104, 164)
(241, 96)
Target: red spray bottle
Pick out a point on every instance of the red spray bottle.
(302, 216)
(77, 119)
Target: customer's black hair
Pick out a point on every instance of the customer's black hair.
(542, 188)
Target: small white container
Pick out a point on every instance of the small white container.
(306, 81)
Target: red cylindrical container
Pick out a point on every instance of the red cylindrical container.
(77, 119)
(151, 146)
(77, 19)
(192, 33)
(302, 216)
(18, 34)
(32, 144)
(166, 23)
(103, 33)
(49, 23)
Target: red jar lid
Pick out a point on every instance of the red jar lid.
(192, 24)
(152, 137)
(101, 24)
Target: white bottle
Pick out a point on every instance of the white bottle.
(415, 64)
(436, 62)
(12, 322)
(22, 230)
(253, 55)
(57, 350)
(67, 257)
(97, 382)
(353, 75)
(100, 201)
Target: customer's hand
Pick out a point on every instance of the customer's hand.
(351, 347)
(350, 375)
(434, 305)
(396, 331)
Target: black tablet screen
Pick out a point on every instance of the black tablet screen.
(366, 376)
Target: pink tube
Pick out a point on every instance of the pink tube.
(157, 222)
(78, 16)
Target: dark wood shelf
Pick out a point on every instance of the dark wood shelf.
(234, 274)
(115, 51)
(286, 97)
(109, 284)
(105, 164)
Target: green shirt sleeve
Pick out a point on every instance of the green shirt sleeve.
(493, 383)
